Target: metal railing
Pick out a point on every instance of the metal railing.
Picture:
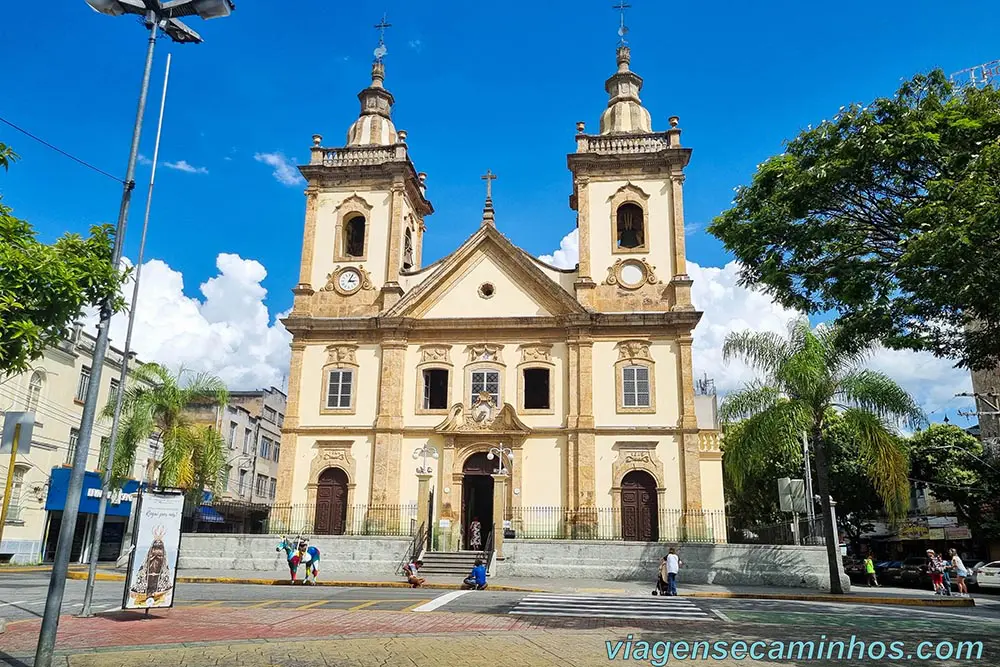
(301, 519)
(413, 551)
(810, 533)
(618, 524)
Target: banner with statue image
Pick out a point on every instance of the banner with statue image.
(152, 568)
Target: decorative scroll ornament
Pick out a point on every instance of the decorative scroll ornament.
(438, 353)
(637, 457)
(483, 416)
(334, 276)
(633, 349)
(536, 352)
(485, 352)
(332, 455)
(341, 354)
(631, 274)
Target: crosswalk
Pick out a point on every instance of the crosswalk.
(607, 606)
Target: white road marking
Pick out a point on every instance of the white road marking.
(721, 615)
(440, 601)
(11, 604)
(583, 606)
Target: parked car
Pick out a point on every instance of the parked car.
(913, 572)
(855, 569)
(988, 575)
(888, 571)
(972, 579)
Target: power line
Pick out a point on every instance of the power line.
(61, 151)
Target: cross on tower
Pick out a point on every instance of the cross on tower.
(622, 29)
(380, 50)
(489, 177)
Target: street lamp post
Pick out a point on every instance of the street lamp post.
(157, 16)
(501, 453)
(427, 452)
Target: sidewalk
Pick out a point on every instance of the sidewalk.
(858, 595)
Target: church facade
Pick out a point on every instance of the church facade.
(584, 375)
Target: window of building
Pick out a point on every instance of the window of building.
(224, 477)
(248, 444)
(635, 387)
(270, 414)
(536, 389)
(16, 491)
(281, 420)
(408, 249)
(102, 457)
(274, 487)
(261, 488)
(74, 437)
(233, 428)
(243, 482)
(34, 393)
(488, 381)
(265, 448)
(338, 388)
(113, 390)
(84, 384)
(354, 236)
(277, 451)
(435, 388)
(630, 229)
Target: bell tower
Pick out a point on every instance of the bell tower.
(365, 210)
(627, 192)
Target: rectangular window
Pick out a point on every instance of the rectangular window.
(233, 428)
(261, 489)
(435, 389)
(243, 482)
(224, 478)
(270, 414)
(338, 389)
(536, 389)
(74, 437)
(113, 390)
(248, 445)
(277, 451)
(84, 385)
(488, 381)
(635, 387)
(281, 420)
(14, 509)
(273, 489)
(265, 448)
(102, 457)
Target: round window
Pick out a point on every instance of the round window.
(486, 290)
(632, 274)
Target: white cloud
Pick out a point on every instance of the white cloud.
(415, 44)
(186, 167)
(729, 307)
(144, 160)
(568, 254)
(229, 332)
(284, 171)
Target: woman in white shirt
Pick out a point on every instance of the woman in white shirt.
(960, 572)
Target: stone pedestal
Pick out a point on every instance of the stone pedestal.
(423, 500)
(499, 512)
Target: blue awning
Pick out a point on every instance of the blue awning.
(209, 515)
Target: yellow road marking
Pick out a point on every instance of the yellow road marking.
(318, 603)
(415, 605)
(365, 604)
(259, 604)
(214, 603)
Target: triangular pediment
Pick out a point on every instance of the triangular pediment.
(486, 277)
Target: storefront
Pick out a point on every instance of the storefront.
(117, 515)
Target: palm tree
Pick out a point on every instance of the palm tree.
(802, 377)
(157, 401)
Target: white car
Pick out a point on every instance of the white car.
(988, 575)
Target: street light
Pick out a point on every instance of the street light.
(502, 453)
(158, 16)
(427, 451)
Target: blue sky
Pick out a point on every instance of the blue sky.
(477, 86)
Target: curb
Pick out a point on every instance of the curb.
(105, 576)
(844, 599)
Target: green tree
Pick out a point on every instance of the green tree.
(887, 214)
(802, 377)
(956, 468)
(858, 502)
(43, 287)
(157, 401)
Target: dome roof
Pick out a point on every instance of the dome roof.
(374, 125)
(625, 113)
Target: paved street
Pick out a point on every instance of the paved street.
(282, 625)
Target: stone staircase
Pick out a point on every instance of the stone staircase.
(448, 564)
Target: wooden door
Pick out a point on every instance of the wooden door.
(331, 502)
(639, 508)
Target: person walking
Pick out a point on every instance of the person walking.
(661, 578)
(475, 535)
(960, 573)
(674, 564)
(870, 571)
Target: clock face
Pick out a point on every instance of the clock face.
(349, 281)
(632, 275)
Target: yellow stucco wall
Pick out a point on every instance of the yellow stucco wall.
(376, 232)
(542, 471)
(712, 496)
(666, 379)
(602, 231)
(313, 387)
(509, 299)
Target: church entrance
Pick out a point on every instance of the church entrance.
(639, 508)
(477, 501)
(331, 502)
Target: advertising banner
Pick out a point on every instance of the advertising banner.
(152, 568)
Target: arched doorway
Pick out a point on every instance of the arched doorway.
(640, 512)
(331, 502)
(477, 500)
